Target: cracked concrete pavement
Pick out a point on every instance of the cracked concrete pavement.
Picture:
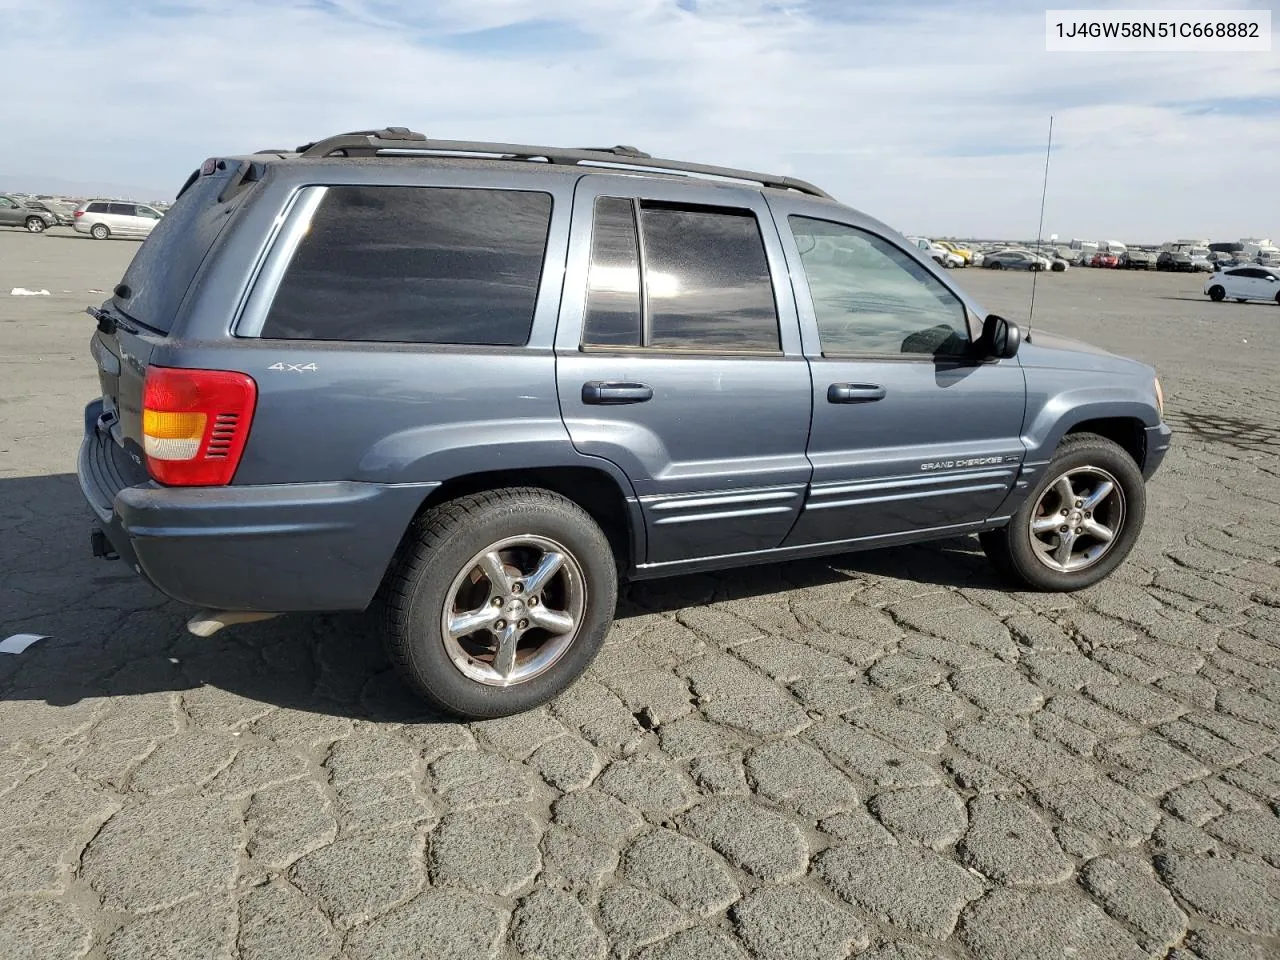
(889, 755)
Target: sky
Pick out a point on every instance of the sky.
(930, 115)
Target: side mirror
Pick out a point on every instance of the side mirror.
(1000, 339)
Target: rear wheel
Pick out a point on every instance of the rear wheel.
(35, 225)
(100, 231)
(1079, 522)
(997, 265)
(1217, 294)
(499, 601)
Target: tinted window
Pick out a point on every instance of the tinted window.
(707, 283)
(122, 209)
(869, 297)
(97, 208)
(415, 265)
(167, 261)
(613, 315)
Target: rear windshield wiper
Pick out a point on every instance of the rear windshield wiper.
(108, 323)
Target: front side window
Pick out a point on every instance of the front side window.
(416, 265)
(869, 297)
(690, 278)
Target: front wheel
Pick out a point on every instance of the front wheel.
(35, 225)
(1079, 522)
(499, 601)
(1217, 294)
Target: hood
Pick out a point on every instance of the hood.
(1042, 349)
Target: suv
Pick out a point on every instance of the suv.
(103, 219)
(480, 384)
(20, 213)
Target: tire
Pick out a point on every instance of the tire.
(1087, 458)
(997, 265)
(100, 231)
(35, 225)
(439, 566)
(1217, 294)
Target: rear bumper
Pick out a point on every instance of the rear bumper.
(273, 548)
(1158, 439)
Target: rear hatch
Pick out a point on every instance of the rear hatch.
(143, 307)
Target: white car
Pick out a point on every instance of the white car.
(1245, 283)
(939, 254)
(103, 219)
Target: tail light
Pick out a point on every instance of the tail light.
(79, 213)
(195, 424)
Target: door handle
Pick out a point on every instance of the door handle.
(854, 393)
(605, 392)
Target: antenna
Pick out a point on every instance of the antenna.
(1040, 230)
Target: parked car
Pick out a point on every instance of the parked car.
(476, 396)
(1108, 260)
(1138, 260)
(939, 254)
(61, 214)
(1015, 260)
(1200, 259)
(103, 219)
(1176, 261)
(18, 213)
(964, 253)
(1244, 283)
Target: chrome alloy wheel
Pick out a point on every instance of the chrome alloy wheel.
(1077, 519)
(513, 610)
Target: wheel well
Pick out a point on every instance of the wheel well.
(1128, 432)
(593, 490)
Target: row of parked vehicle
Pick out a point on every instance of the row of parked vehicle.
(100, 219)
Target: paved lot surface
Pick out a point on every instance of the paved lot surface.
(887, 755)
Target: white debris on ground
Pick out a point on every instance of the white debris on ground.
(19, 642)
(24, 292)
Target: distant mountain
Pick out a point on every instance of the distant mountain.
(40, 183)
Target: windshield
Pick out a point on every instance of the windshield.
(1198, 252)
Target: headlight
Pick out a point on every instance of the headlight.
(1159, 397)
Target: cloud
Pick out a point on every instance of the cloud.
(931, 116)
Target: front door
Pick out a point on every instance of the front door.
(10, 213)
(679, 359)
(910, 432)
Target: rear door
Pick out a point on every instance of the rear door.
(910, 433)
(122, 218)
(679, 359)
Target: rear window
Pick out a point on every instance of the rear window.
(97, 208)
(122, 209)
(168, 260)
(416, 265)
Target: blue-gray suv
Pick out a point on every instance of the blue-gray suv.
(477, 384)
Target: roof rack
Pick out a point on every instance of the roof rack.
(401, 141)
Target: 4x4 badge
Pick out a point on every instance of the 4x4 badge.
(294, 367)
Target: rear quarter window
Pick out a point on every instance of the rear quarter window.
(416, 265)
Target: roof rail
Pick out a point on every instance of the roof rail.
(401, 140)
